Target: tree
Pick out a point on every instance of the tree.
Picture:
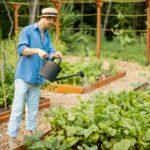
(33, 5)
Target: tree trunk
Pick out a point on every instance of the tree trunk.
(32, 10)
(10, 18)
(106, 18)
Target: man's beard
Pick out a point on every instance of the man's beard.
(51, 25)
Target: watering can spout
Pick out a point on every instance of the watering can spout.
(80, 73)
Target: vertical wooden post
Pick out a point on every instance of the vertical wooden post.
(16, 7)
(148, 30)
(58, 6)
(82, 11)
(98, 43)
(3, 84)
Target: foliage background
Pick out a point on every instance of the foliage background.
(78, 33)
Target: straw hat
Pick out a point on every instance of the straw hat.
(49, 12)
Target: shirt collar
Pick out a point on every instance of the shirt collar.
(35, 26)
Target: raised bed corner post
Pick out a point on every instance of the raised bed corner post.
(16, 7)
(98, 43)
(58, 4)
(148, 30)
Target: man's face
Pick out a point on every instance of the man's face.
(50, 21)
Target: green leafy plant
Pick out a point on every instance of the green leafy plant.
(78, 43)
(93, 70)
(105, 121)
(124, 37)
(8, 56)
(134, 52)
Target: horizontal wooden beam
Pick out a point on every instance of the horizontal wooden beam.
(79, 1)
(60, 88)
(141, 87)
(4, 117)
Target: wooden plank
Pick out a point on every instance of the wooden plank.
(24, 147)
(68, 89)
(76, 89)
(5, 113)
(4, 117)
(21, 147)
(141, 87)
(103, 82)
(44, 105)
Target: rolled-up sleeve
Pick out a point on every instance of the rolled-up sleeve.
(23, 40)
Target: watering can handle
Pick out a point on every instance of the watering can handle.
(60, 59)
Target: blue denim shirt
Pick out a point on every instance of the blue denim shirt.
(28, 67)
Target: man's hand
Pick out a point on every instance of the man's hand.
(42, 53)
(31, 51)
(56, 55)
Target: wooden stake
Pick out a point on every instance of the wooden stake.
(16, 7)
(3, 84)
(98, 44)
(148, 30)
(58, 6)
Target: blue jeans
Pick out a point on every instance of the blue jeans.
(28, 94)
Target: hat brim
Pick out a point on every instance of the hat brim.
(49, 15)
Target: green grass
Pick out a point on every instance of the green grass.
(135, 52)
(8, 56)
(8, 53)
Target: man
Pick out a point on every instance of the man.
(34, 45)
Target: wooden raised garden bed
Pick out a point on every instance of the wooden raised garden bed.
(24, 147)
(45, 103)
(60, 88)
(141, 86)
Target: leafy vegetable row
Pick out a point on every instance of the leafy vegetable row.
(113, 121)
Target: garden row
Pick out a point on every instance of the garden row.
(95, 76)
(93, 73)
(113, 121)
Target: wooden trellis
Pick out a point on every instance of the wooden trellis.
(98, 43)
(16, 8)
(58, 4)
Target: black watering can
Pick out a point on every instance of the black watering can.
(51, 69)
